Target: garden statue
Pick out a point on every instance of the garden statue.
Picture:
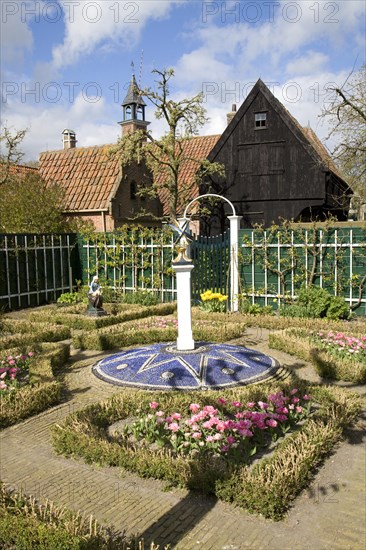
(95, 298)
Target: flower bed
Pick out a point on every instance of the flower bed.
(229, 429)
(213, 301)
(14, 369)
(335, 355)
(267, 486)
(41, 390)
(341, 345)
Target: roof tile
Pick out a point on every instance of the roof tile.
(88, 175)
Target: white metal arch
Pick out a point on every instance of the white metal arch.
(208, 195)
(234, 246)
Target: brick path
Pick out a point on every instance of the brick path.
(329, 515)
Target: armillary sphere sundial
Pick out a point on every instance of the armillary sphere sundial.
(186, 364)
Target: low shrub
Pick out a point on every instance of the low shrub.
(247, 308)
(141, 297)
(338, 308)
(267, 487)
(70, 298)
(315, 302)
(133, 333)
(28, 401)
(24, 333)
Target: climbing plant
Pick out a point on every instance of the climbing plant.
(133, 257)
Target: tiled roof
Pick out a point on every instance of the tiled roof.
(194, 148)
(321, 150)
(19, 170)
(88, 175)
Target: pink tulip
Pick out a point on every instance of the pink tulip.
(174, 427)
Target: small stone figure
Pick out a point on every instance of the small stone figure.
(95, 295)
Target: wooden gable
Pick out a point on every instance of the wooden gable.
(273, 169)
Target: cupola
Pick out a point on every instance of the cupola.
(133, 109)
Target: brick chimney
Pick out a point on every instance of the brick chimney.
(69, 139)
(230, 116)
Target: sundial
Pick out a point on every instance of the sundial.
(186, 364)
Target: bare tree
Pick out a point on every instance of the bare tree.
(9, 152)
(347, 114)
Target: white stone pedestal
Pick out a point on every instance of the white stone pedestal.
(183, 270)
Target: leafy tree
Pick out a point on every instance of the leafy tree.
(347, 114)
(27, 204)
(168, 156)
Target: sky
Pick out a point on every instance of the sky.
(67, 63)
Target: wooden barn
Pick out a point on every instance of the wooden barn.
(274, 168)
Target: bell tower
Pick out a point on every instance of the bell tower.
(133, 108)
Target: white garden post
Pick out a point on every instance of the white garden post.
(183, 266)
(234, 262)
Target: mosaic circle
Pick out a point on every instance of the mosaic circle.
(210, 366)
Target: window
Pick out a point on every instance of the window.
(140, 113)
(260, 120)
(128, 113)
(133, 190)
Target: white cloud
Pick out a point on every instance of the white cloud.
(89, 25)
(46, 122)
(307, 64)
(15, 36)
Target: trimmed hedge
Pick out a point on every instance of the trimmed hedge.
(79, 320)
(26, 333)
(28, 401)
(26, 525)
(128, 334)
(267, 487)
(274, 322)
(298, 342)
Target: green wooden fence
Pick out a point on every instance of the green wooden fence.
(36, 269)
(211, 258)
(130, 261)
(274, 264)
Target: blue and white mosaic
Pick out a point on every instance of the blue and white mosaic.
(161, 366)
